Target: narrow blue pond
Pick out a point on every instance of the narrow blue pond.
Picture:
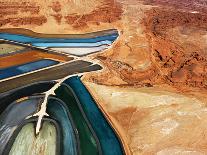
(24, 68)
(63, 44)
(109, 141)
(41, 42)
(58, 111)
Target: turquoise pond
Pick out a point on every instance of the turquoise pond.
(109, 141)
(73, 132)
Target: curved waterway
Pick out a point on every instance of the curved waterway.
(108, 139)
(82, 127)
(89, 143)
(58, 111)
(82, 44)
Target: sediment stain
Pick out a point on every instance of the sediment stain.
(29, 56)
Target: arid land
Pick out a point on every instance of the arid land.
(153, 88)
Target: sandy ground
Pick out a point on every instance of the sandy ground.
(155, 120)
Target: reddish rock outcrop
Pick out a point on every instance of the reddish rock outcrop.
(20, 13)
(110, 11)
(24, 21)
(173, 59)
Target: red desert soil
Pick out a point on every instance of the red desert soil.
(27, 11)
(185, 5)
(178, 53)
(154, 82)
(179, 62)
(110, 11)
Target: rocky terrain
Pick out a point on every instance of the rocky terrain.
(154, 80)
